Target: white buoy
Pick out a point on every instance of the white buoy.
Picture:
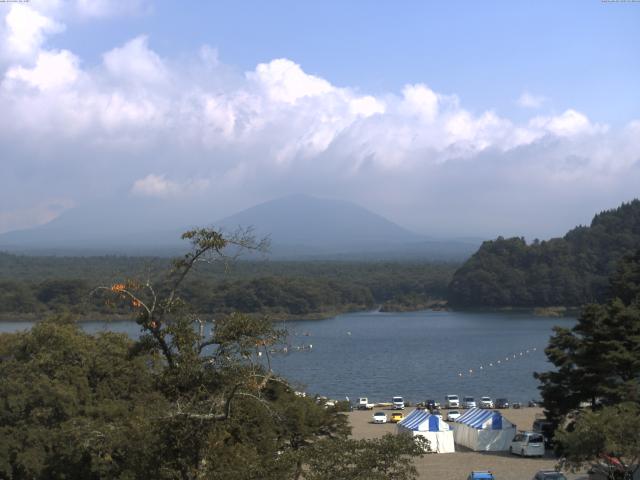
(491, 364)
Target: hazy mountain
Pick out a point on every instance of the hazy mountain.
(319, 222)
(300, 226)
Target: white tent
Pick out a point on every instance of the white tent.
(422, 423)
(483, 430)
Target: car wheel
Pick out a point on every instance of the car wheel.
(522, 452)
(510, 450)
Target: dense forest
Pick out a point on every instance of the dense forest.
(36, 286)
(568, 271)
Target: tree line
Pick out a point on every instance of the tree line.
(41, 285)
(568, 271)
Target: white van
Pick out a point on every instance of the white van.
(398, 403)
(527, 444)
(451, 401)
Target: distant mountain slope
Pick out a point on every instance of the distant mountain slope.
(569, 271)
(300, 227)
(319, 222)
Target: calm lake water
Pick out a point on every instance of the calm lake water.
(417, 355)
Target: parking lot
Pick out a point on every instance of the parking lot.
(450, 466)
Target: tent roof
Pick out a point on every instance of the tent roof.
(478, 418)
(422, 420)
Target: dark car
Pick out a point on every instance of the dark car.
(545, 427)
(502, 403)
(516, 405)
(430, 404)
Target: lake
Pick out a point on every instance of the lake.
(418, 355)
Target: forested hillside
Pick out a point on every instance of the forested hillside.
(37, 286)
(568, 271)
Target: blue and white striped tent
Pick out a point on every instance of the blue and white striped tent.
(423, 421)
(433, 428)
(484, 430)
(478, 418)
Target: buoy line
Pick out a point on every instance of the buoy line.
(499, 362)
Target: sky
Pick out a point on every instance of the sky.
(458, 118)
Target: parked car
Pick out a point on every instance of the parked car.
(379, 417)
(452, 415)
(527, 444)
(486, 402)
(468, 402)
(545, 427)
(481, 475)
(516, 405)
(431, 404)
(535, 403)
(396, 417)
(549, 475)
(398, 403)
(451, 401)
(363, 404)
(502, 403)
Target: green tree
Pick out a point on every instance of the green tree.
(598, 360)
(386, 458)
(607, 439)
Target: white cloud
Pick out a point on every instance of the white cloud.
(52, 70)
(158, 186)
(24, 31)
(421, 100)
(567, 124)
(529, 100)
(284, 81)
(134, 62)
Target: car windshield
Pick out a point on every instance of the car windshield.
(379, 414)
(397, 399)
(468, 399)
(536, 439)
(486, 399)
(454, 412)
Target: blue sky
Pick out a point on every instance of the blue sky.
(451, 118)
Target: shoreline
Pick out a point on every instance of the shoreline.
(435, 306)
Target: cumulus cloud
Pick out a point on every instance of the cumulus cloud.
(244, 137)
(24, 31)
(52, 70)
(135, 62)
